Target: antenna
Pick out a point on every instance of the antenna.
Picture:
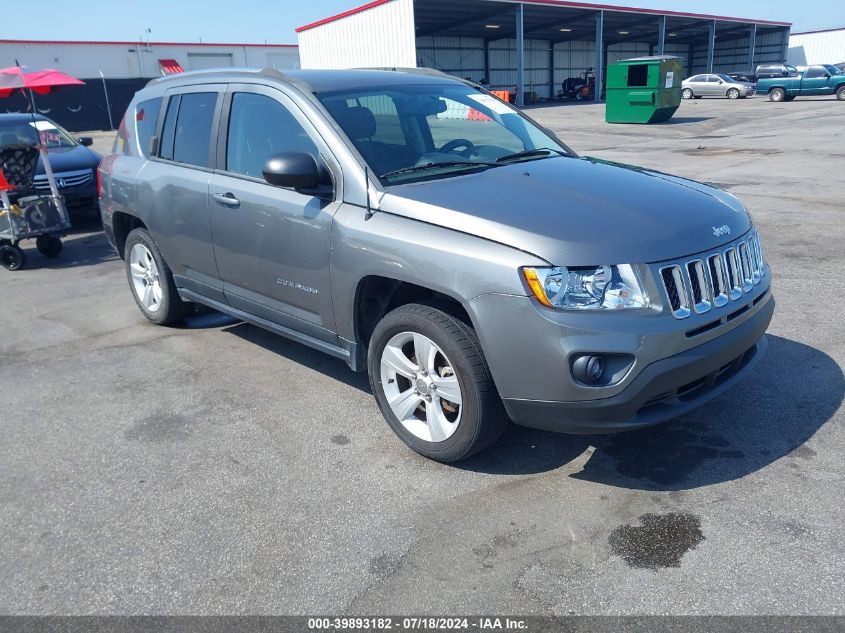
(369, 212)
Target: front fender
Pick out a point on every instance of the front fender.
(452, 263)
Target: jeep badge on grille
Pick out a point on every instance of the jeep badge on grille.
(719, 231)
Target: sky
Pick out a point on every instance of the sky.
(257, 21)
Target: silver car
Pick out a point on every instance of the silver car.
(419, 229)
(711, 85)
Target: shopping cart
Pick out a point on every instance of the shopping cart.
(25, 212)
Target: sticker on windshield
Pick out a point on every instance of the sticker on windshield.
(670, 79)
(492, 103)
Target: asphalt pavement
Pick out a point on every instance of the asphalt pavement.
(214, 468)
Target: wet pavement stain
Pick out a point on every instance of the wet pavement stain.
(340, 440)
(661, 541)
(682, 451)
(157, 429)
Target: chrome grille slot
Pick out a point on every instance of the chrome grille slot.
(733, 277)
(676, 291)
(716, 265)
(701, 293)
(713, 280)
(755, 262)
(745, 267)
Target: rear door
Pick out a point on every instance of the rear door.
(272, 244)
(175, 187)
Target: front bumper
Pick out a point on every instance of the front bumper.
(663, 390)
(678, 363)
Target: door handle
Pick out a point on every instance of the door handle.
(227, 199)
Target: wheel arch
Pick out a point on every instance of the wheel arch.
(376, 295)
(122, 225)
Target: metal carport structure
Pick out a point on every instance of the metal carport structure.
(533, 45)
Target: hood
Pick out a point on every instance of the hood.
(70, 159)
(577, 211)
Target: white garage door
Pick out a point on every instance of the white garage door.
(198, 61)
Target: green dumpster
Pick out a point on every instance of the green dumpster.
(643, 89)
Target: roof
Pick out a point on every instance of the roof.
(138, 43)
(841, 28)
(21, 116)
(317, 81)
(565, 4)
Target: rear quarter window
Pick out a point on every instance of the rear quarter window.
(146, 117)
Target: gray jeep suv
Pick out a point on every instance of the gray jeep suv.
(417, 227)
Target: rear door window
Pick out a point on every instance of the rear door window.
(192, 138)
(169, 128)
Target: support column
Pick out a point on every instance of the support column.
(487, 62)
(785, 49)
(711, 45)
(520, 55)
(661, 34)
(599, 55)
(752, 44)
(551, 69)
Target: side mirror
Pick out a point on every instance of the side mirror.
(296, 170)
(87, 141)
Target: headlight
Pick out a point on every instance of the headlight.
(587, 287)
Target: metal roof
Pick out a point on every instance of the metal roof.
(140, 43)
(421, 6)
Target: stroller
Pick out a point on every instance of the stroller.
(25, 213)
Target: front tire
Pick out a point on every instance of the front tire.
(777, 95)
(733, 93)
(151, 281)
(432, 384)
(12, 257)
(686, 93)
(840, 93)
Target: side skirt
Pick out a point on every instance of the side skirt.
(349, 352)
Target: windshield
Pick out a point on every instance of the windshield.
(28, 132)
(833, 70)
(419, 132)
(728, 79)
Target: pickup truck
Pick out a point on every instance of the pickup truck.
(823, 79)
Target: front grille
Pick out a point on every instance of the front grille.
(713, 279)
(64, 180)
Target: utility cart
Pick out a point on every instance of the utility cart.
(25, 211)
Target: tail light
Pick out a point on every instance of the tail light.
(99, 179)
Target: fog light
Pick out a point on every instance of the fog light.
(588, 369)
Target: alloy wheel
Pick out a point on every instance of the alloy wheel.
(145, 277)
(421, 386)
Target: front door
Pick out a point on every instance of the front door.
(815, 81)
(272, 244)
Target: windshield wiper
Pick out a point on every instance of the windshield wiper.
(530, 153)
(451, 163)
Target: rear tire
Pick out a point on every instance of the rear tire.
(686, 93)
(445, 428)
(840, 93)
(733, 93)
(49, 246)
(777, 95)
(151, 281)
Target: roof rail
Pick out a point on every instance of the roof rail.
(216, 71)
(412, 70)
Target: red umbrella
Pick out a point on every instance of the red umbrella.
(38, 80)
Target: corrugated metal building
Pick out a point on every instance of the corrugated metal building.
(817, 47)
(118, 69)
(533, 45)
